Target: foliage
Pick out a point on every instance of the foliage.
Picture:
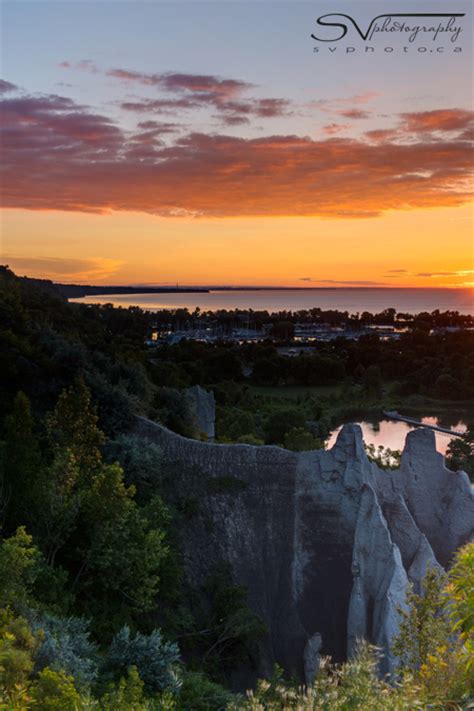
(384, 457)
(128, 693)
(299, 439)
(424, 624)
(460, 453)
(89, 550)
(20, 460)
(17, 647)
(460, 590)
(19, 565)
(141, 465)
(199, 693)
(281, 422)
(228, 629)
(54, 691)
(66, 646)
(353, 685)
(154, 658)
(174, 411)
(428, 651)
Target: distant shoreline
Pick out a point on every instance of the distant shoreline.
(76, 291)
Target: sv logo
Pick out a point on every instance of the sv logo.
(373, 23)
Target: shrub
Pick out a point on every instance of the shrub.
(154, 658)
(54, 691)
(66, 646)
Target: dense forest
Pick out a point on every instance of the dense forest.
(95, 610)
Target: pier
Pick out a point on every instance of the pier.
(393, 415)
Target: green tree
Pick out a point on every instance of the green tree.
(300, 440)
(283, 330)
(372, 381)
(280, 422)
(73, 426)
(20, 461)
(19, 566)
(17, 647)
(120, 554)
(460, 453)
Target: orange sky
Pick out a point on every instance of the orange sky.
(130, 247)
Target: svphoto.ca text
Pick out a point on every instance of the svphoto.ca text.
(386, 50)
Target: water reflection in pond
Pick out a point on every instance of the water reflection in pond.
(391, 433)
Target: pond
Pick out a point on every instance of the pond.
(392, 434)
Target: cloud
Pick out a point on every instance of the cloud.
(428, 124)
(160, 105)
(84, 65)
(33, 125)
(64, 269)
(459, 273)
(204, 84)
(351, 282)
(355, 114)
(397, 271)
(346, 107)
(159, 126)
(333, 128)
(6, 86)
(61, 155)
(344, 282)
(447, 120)
(194, 91)
(230, 112)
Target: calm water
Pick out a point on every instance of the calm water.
(392, 434)
(352, 300)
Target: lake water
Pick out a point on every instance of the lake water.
(352, 300)
(392, 434)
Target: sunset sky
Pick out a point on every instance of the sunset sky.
(207, 143)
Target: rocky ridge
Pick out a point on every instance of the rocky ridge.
(324, 541)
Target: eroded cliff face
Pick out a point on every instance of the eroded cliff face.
(324, 541)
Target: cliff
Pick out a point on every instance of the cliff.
(324, 541)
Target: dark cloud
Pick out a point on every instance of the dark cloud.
(193, 91)
(160, 105)
(190, 83)
(159, 126)
(354, 114)
(6, 86)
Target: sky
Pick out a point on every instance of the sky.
(219, 143)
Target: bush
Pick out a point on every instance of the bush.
(141, 465)
(198, 693)
(154, 658)
(66, 646)
(54, 691)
